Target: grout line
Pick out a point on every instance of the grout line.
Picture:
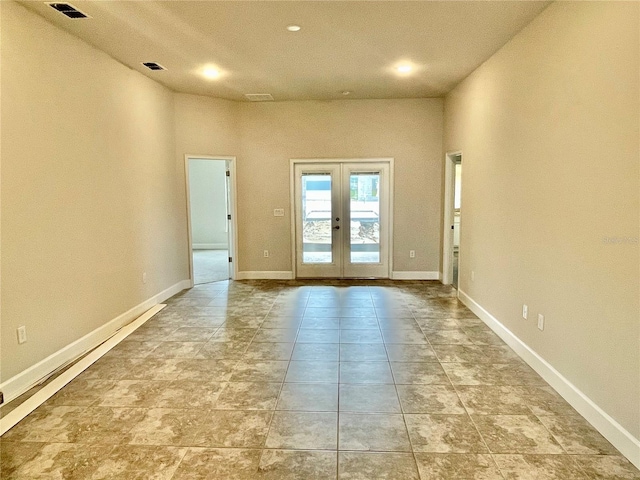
(284, 378)
(42, 395)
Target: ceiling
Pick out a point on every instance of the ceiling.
(342, 46)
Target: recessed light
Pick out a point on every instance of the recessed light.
(404, 68)
(294, 28)
(211, 73)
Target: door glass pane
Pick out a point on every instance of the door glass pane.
(316, 218)
(365, 217)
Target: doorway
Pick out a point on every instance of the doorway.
(452, 216)
(342, 218)
(210, 218)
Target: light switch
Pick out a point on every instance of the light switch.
(278, 212)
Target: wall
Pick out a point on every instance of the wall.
(205, 126)
(207, 186)
(549, 132)
(273, 133)
(91, 196)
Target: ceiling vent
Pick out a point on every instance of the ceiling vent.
(259, 97)
(153, 66)
(68, 10)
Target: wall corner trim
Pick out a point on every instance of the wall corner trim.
(265, 275)
(626, 443)
(25, 380)
(424, 275)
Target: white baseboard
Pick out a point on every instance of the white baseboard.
(415, 275)
(16, 415)
(624, 441)
(265, 275)
(25, 380)
(210, 246)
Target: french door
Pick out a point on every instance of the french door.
(342, 219)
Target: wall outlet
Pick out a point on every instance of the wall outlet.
(473, 275)
(412, 254)
(265, 253)
(525, 311)
(278, 212)
(144, 277)
(540, 321)
(22, 334)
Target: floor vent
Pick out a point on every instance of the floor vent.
(153, 66)
(259, 97)
(68, 10)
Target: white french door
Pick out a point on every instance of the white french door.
(342, 219)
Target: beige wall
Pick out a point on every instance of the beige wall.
(265, 136)
(549, 132)
(273, 133)
(90, 190)
(205, 126)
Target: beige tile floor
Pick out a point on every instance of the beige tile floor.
(310, 380)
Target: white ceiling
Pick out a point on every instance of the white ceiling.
(343, 45)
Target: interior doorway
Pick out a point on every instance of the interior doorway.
(452, 217)
(342, 218)
(211, 225)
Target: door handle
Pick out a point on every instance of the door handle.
(337, 227)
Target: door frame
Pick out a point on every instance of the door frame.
(450, 160)
(292, 200)
(232, 236)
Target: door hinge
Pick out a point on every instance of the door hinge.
(228, 173)
(229, 217)
(230, 259)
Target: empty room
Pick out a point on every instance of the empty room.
(320, 240)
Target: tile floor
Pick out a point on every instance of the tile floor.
(314, 380)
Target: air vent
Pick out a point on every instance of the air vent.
(259, 97)
(153, 66)
(68, 10)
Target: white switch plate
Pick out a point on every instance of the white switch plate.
(412, 254)
(22, 334)
(473, 275)
(144, 277)
(525, 311)
(541, 321)
(278, 212)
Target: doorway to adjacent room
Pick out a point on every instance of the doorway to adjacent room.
(452, 216)
(211, 225)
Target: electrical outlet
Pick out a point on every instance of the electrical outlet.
(540, 321)
(22, 334)
(525, 311)
(412, 254)
(278, 212)
(144, 277)
(265, 253)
